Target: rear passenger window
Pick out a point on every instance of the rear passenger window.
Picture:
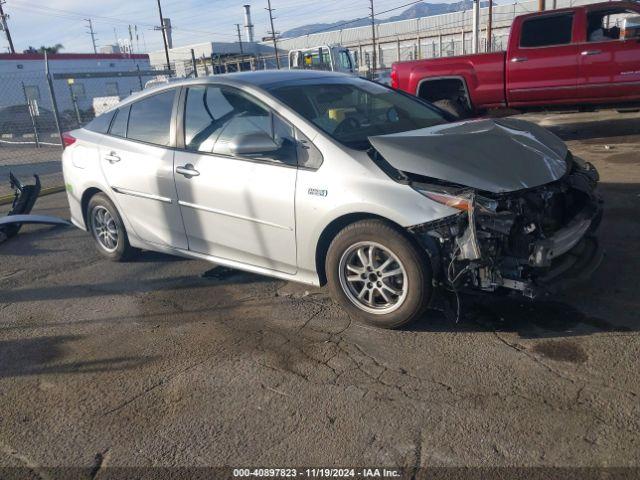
(150, 119)
(547, 31)
(119, 124)
(101, 123)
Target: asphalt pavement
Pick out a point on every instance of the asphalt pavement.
(166, 362)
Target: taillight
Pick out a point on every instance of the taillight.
(68, 139)
(394, 77)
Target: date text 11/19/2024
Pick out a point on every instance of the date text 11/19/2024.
(317, 472)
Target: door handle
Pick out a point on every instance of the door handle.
(519, 59)
(112, 157)
(590, 52)
(187, 170)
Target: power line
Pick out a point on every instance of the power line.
(273, 33)
(5, 26)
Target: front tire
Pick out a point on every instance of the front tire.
(107, 229)
(378, 274)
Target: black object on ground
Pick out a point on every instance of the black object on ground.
(24, 200)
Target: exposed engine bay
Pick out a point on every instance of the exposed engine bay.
(525, 240)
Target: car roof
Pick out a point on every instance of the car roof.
(259, 78)
(262, 79)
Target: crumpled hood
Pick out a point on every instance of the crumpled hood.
(500, 155)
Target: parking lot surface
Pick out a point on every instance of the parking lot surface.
(172, 362)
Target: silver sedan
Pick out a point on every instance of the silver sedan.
(320, 177)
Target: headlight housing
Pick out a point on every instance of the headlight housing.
(464, 201)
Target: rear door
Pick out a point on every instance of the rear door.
(609, 61)
(236, 207)
(137, 161)
(542, 66)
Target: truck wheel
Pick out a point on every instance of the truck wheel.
(378, 275)
(107, 229)
(453, 107)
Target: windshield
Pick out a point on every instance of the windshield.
(350, 109)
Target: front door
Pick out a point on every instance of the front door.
(138, 166)
(237, 204)
(542, 65)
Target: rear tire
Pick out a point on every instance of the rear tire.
(107, 229)
(378, 274)
(453, 107)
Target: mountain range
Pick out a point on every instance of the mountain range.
(422, 9)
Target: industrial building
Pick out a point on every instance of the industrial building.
(24, 80)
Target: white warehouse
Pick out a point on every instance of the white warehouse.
(23, 78)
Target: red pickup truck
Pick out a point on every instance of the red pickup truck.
(585, 55)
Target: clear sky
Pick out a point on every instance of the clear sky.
(42, 22)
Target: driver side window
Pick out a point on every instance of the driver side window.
(215, 116)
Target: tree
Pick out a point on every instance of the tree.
(49, 50)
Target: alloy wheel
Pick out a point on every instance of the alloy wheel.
(373, 278)
(104, 228)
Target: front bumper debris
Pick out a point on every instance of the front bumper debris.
(25, 197)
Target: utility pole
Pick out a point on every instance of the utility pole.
(239, 38)
(541, 5)
(164, 36)
(489, 26)
(5, 26)
(374, 57)
(273, 33)
(475, 39)
(93, 35)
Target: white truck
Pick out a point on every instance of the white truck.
(333, 58)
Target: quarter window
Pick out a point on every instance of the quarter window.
(101, 123)
(150, 119)
(119, 123)
(547, 31)
(216, 116)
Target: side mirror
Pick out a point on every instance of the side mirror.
(252, 144)
(630, 28)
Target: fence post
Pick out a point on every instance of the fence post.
(52, 94)
(139, 76)
(31, 115)
(193, 63)
(74, 101)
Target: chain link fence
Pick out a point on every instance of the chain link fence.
(31, 127)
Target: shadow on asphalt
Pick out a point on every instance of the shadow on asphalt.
(529, 319)
(597, 129)
(42, 355)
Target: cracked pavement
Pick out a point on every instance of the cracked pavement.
(166, 362)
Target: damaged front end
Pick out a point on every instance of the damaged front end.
(533, 241)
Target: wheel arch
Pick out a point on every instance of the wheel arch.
(445, 88)
(331, 230)
(87, 195)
